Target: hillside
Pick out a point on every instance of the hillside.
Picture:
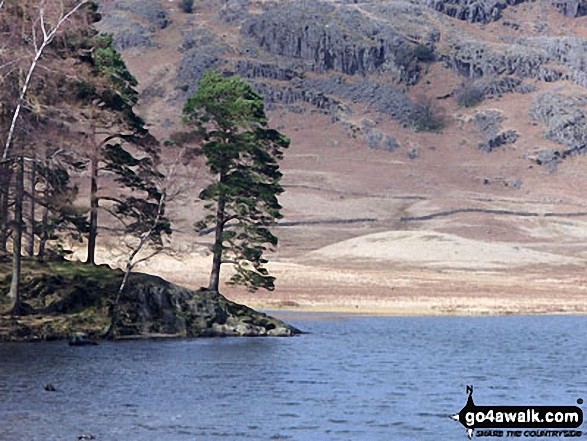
(396, 110)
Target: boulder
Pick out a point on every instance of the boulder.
(81, 339)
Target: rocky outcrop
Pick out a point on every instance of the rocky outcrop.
(411, 19)
(152, 305)
(149, 10)
(501, 139)
(565, 118)
(331, 38)
(380, 141)
(485, 11)
(272, 71)
(571, 8)
(488, 124)
(127, 33)
(133, 22)
(570, 52)
(495, 86)
(203, 51)
(476, 59)
(72, 301)
(473, 11)
(193, 66)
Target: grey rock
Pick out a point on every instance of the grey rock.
(475, 59)
(328, 37)
(80, 339)
(280, 332)
(488, 122)
(379, 141)
(193, 66)
(549, 158)
(127, 33)
(507, 84)
(473, 11)
(273, 71)
(504, 138)
(565, 118)
(150, 10)
(234, 10)
(153, 305)
(571, 8)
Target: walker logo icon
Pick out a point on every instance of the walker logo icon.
(482, 420)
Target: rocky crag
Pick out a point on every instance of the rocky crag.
(337, 57)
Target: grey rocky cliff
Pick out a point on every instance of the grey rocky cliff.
(328, 38)
(485, 11)
(474, 11)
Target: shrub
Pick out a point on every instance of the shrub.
(424, 53)
(469, 94)
(187, 6)
(428, 117)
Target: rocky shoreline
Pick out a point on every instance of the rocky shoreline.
(71, 301)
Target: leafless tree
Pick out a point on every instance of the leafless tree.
(151, 229)
(51, 16)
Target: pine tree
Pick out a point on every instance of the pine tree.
(118, 141)
(242, 154)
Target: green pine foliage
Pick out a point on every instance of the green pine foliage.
(242, 154)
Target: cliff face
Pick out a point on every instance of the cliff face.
(328, 38)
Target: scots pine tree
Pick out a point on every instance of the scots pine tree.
(242, 155)
(119, 144)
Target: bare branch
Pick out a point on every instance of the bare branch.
(149, 257)
(42, 20)
(48, 37)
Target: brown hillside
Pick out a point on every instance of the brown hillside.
(349, 84)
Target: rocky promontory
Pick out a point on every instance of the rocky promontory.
(65, 299)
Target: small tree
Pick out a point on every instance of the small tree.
(424, 53)
(241, 153)
(187, 6)
(469, 94)
(428, 117)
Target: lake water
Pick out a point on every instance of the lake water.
(352, 378)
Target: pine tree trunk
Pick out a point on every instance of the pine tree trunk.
(31, 243)
(217, 248)
(44, 235)
(93, 213)
(5, 174)
(14, 294)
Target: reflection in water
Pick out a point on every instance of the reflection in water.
(361, 378)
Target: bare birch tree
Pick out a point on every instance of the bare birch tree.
(147, 232)
(49, 19)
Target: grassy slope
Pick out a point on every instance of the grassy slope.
(65, 297)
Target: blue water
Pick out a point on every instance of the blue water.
(351, 378)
